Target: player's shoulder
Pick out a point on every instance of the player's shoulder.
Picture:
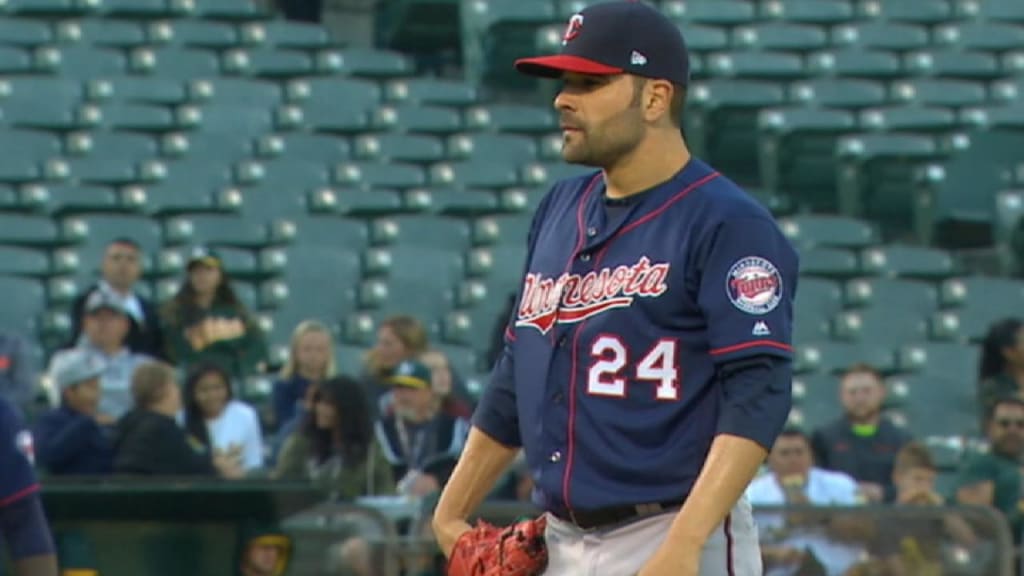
(723, 199)
(569, 190)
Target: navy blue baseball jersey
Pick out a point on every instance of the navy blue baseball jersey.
(629, 310)
(17, 477)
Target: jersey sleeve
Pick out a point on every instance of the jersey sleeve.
(747, 283)
(18, 478)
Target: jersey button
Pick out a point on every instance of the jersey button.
(585, 257)
(591, 231)
(562, 341)
(556, 456)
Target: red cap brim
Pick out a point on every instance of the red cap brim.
(554, 66)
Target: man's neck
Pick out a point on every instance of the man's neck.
(656, 159)
(111, 349)
(870, 420)
(120, 290)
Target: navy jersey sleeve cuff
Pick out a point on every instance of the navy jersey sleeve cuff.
(757, 397)
(496, 413)
(750, 349)
(24, 525)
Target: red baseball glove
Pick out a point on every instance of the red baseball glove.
(486, 550)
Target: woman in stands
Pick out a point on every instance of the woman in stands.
(1001, 370)
(448, 387)
(215, 419)
(399, 338)
(310, 361)
(335, 447)
(205, 322)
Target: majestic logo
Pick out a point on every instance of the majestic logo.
(573, 298)
(754, 285)
(572, 29)
(760, 329)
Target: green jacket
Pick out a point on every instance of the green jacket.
(240, 357)
(347, 482)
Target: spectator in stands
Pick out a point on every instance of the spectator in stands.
(310, 361)
(993, 478)
(908, 544)
(206, 322)
(121, 268)
(862, 442)
(398, 338)
(148, 440)
(69, 439)
(18, 370)
(263, 551)
(448, 389)
(793, 543)
(1001, 370)
(105, 326)
(335, 447)
(421, 442)
(218, 421)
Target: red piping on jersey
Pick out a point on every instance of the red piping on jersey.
(510, 334)
(570, 441)
(727, 528)
(656, 212)
(19, 495)
(745, 345)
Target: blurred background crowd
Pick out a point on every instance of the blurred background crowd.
(275, 244)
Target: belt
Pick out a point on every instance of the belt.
(598, 517)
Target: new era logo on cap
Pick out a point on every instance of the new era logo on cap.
(637, 59)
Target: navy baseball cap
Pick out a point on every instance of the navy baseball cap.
(621, 37)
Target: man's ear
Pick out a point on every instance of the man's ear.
(656, 99)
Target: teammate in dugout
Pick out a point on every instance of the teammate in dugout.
(647, 365)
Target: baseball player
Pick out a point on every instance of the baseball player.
(23, 524)
(647, 364)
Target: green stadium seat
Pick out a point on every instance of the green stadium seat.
(423, 90)
(344, 93)
(494, 31)
(18, 88)
(828, 230)
(877, 175)
(927, 12)
(445, 233)
(940, 92)
(721, 123)
(141, 89)
(808, 11)
(271, 200)
(549, 146)
(101, 229)
(39, 231)
(398, 147)
(515, 118)
(19, 261)
(336, 233)
(80, 62)
(1009, 90)
(815, 401)
(284, 34)
(940, 358)
(31, 143)
(981, 36)
(416, 118)
(14, 60)
(135, 9)
(467, 327)
(193, 145)
(126, 146)
(817, 300)
(998, 10)
(190, 172)
(235, 92)
(915, 298)
(168, 199)
(511, 229)
(369, 63)
(756, 65)
(491, 174)
(782, 36)
(828, 262)
(967, 325)
(230, 10)
(539, 174)
(835, 357)
(719, 12)
(941, 405)
(370, 175)
(307, 271)
(43, 8)
(499, 264)
(908, 261)
(1012, 63)
(267, 63)
(394, 294)
(100, 32)
(24, 32)
(700, 39)
(434, 267)
(284, 173)
(953, 64)
(876, 326)
(881, 35)
(838, 93)
(995, 117)
(93, 169)
(25, 300)
(312, 147)
(856, 63)
(192, 33)
(795, 153)
(216, 230)
(19, 167)
(239, 120)
(129, 117)
(913, 118)
(491, 146)
(463, 202)
(63, 200)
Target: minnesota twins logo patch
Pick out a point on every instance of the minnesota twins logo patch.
(754, 285)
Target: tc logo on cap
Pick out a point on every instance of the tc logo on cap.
(572, 30)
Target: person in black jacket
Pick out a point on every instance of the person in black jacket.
(121, 268)
(148, 440)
